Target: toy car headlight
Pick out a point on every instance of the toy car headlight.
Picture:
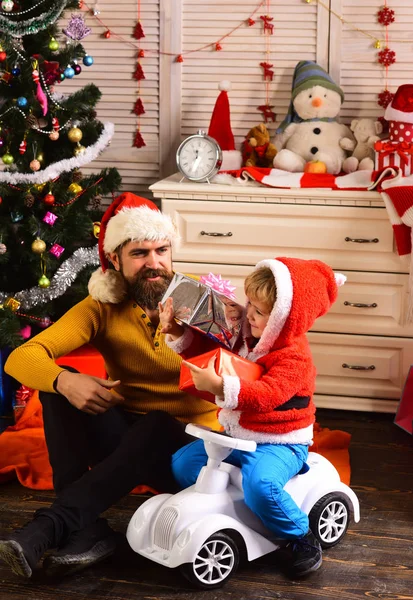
(183, 538)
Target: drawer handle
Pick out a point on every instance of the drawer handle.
(216, 234)
(360, 304)
(362, 240)
(358, 367)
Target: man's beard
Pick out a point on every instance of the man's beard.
(148, 293)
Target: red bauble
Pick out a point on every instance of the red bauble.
(385, 16)
(3, 56)
(384, 98)
(49, 199)
(141, 53)
(106, 34)
(1, 199)
(387, 57)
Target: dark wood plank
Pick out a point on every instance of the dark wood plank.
(374, 561)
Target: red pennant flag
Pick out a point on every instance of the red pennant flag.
(139, 74)
(138, 33)
(139, 109)
(139, 142)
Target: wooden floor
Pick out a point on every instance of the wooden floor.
(373, 562)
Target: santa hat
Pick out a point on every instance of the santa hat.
(398, 197)
(220, 130)
(401, 107)
(128, 218)
(306, 75)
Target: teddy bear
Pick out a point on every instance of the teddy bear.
(310, 131)
(366, 133)
(257, 150)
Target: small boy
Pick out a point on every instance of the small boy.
(285, 296)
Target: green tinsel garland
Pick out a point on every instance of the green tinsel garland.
(33, 25)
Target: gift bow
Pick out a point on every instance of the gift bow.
(24, 394)
(403, 149)
(222, 286)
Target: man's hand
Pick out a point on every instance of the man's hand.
(206, 380)
(167, 320)
(87, 393)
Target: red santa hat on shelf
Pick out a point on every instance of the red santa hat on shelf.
(220, 130)
(399, 114)
(128, 218)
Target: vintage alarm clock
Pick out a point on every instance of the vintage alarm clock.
(199, 157)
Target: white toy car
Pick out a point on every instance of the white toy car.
(205, 528)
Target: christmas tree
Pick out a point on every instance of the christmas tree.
(49, 211)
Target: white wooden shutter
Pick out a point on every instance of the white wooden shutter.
(300, 33)
(112, 72)
(353, 57)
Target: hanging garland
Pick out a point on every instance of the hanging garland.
(386, 57)
(268, 74)
(33, 25)
(139, 75)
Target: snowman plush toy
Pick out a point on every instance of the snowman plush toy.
(310, 131)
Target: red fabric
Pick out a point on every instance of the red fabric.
(220, 125)
(402, 235)
(85, 360)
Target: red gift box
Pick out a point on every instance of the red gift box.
(394, 154)
(226, 363)
(404, 414)
(85, 359)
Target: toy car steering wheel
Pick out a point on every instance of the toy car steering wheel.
(221, 439)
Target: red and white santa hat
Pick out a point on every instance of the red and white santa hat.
(400, 110)
(128, 218)
(220, 130)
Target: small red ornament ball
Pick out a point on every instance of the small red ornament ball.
(1, 199)
(49, 199)
(106, 34)
(3, 56)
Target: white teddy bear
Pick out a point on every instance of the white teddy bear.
(310, 131)
(366, 132)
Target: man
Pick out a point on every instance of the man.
(125, 428)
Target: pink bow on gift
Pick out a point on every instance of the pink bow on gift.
(222, 286)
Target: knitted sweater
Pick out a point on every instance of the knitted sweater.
(134, 352)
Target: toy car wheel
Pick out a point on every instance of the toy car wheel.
(216, 561)
(329, 519)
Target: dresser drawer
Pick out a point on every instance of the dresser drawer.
(383, 364)
(249, 232)
(388, 291)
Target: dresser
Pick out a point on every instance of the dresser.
(361, 348)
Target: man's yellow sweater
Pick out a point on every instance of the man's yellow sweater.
(134, 352)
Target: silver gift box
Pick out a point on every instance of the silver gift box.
(200, 306)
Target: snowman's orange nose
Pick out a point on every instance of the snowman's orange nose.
(317, 102)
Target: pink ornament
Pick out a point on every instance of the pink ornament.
(54, 136)
(50, 218)
(26, 332)
(45, 322)
(35, 165)
(222, 286)
(56, 250)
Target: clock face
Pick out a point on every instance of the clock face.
(199, 157)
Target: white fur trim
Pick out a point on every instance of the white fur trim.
(182, 343)
(230, 421)
(232, 386)
(224, 85)
(138, 224)
(281, 308)
(392, 114)
(108, 286)
(340, 279)
(231, 160)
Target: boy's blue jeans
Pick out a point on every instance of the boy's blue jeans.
(264, 475)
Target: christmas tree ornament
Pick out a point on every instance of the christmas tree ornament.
(79, 150)
(250, 22)
(139, 74)
(1, 199)
(138, 32)
(69, 73)
(45, 322)
(1, 142)
(3, 56)
(7, 5)
(54, 136)
(3, 248)
(49, 199)
(77, 175)
(138, 109)
(384, 98)
(35, 165)
(96, 229)
(40, 157)
(39, 186)
(75, 134)
(15, 71)
(141, 54)
(96, 202)
(106, 35)
(385, 16)
(53, 45)
(56, 250)
(138, 142)
(76, 29)
(75, 188)
(38, 246)
(387, 57)
(77, 69)
(88, 60)
(44, 282)
(62, 76)
(16, 216)
(218, 47)
(21, 102)
(12, 304)
(55, 124)
(50, 218)
(7, 158)
(179, 58)
(26, 332)
(29, 200)
(23, 147)
(377, 44)
(40, 95)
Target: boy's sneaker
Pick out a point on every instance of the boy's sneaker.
(84, 548)
(23, 548)
(306, 555)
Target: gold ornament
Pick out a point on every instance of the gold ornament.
(75, 188)
(79, 150)
(12, 303)
(75, 134)
(96, 229)
(44, 282)
(377, 44)
(40, 157)
(38, 246)
(40, 186)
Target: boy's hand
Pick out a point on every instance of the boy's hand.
(206, 380)
(167, 319)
